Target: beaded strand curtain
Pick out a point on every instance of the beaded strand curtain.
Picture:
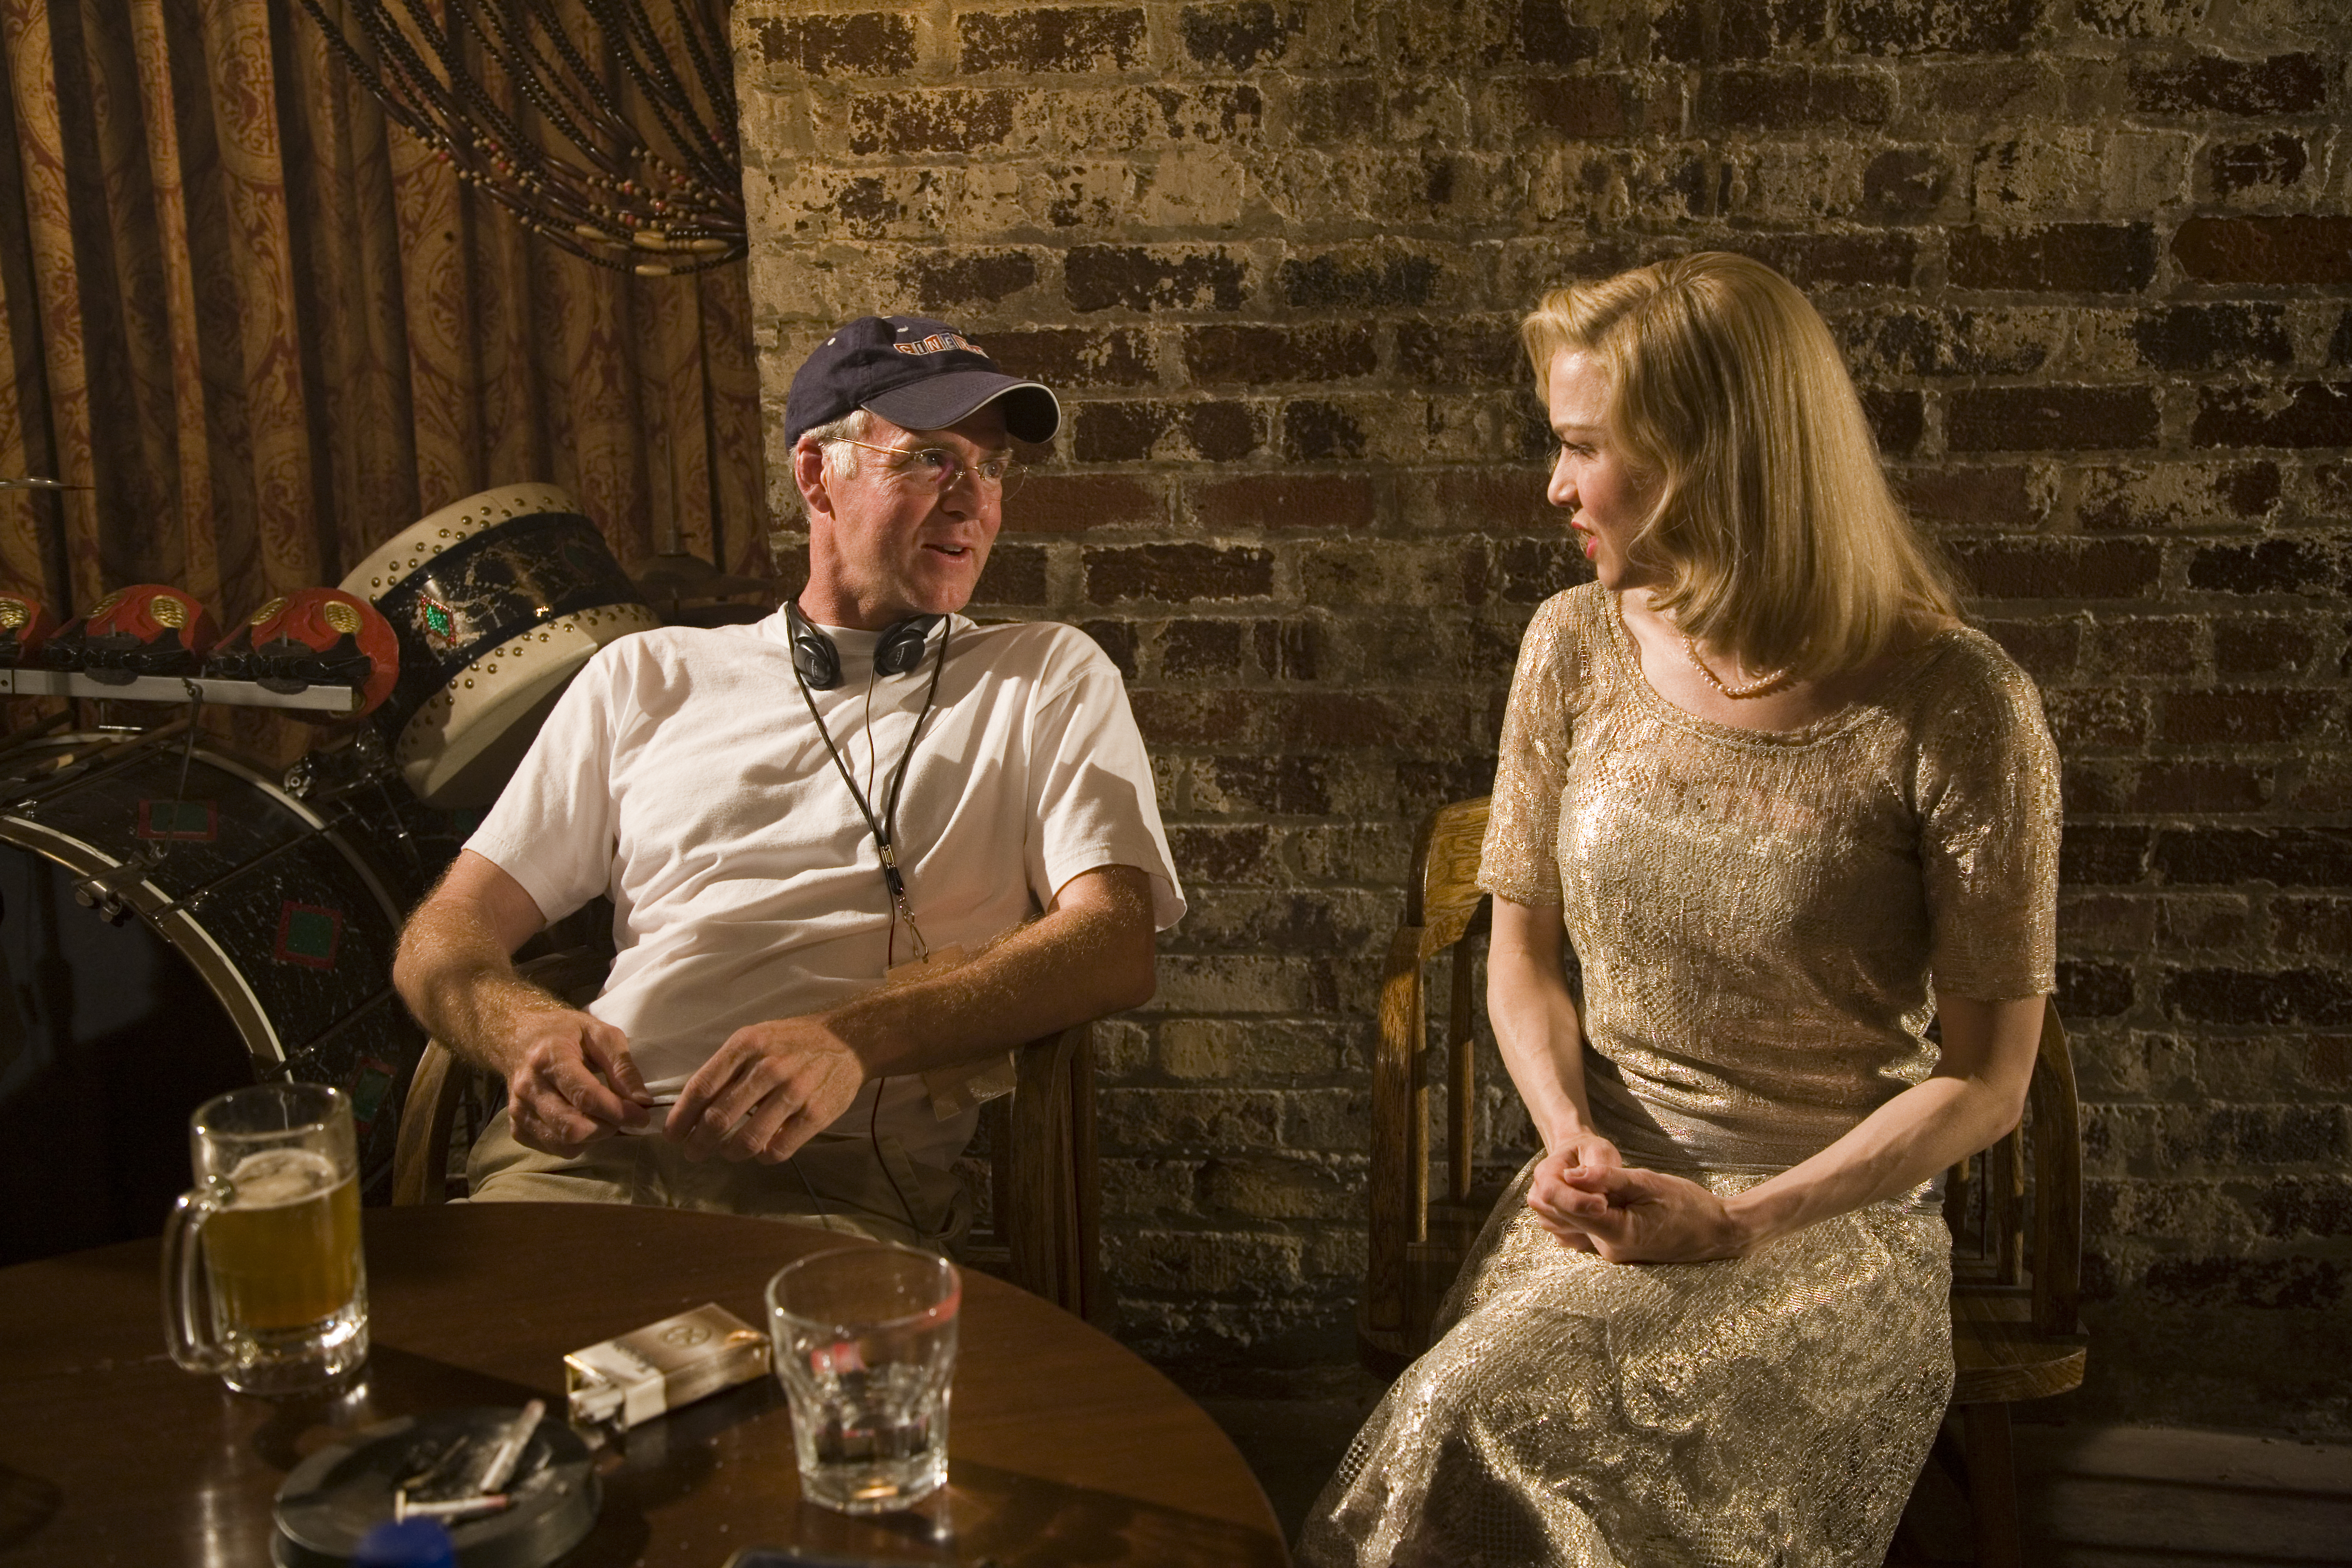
(267, 331)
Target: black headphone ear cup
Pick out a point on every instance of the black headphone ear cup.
(813, 654)
(901, 647)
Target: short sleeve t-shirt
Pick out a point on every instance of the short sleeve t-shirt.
(681, 776)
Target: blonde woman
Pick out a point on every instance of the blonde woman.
(1786, 810)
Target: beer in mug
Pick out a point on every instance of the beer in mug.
(276, 1222)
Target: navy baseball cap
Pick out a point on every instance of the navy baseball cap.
(914, 372)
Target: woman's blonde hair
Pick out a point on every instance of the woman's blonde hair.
(1774, 535)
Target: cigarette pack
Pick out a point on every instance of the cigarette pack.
(639, 1374)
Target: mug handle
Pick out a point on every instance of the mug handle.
(187, 1333)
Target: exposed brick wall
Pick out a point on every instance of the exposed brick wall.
(2091, 260)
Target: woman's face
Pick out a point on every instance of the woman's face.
(1606, 498)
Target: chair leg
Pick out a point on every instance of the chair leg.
(1992, 1485)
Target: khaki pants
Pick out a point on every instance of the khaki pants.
(834, 1183)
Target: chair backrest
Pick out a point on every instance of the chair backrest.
(2025, 1242)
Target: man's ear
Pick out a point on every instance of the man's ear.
(810, 475)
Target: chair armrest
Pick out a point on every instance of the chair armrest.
(1395, 1143)
(1046, 1174)
(420, 1157)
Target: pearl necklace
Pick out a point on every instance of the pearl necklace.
(1756, 687)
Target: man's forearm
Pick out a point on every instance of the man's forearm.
(458, 981)
(1092, 954)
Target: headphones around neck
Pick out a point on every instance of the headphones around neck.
(899, 651)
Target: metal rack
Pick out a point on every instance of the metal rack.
(176, 689)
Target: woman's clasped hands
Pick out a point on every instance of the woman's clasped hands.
(1585, 1193)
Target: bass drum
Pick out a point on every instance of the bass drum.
(498, 601)
(174, 924)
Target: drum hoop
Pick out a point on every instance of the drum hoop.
(179, 930)
(180, 927)
(403, 605)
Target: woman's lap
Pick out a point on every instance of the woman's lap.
(1766, 1410)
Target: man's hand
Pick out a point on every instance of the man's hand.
(571, 1082)
(765, 1092)
(1631, 1216)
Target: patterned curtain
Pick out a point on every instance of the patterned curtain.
(267, 331)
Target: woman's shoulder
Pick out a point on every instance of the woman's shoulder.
(1562, 632)
(1956, 672)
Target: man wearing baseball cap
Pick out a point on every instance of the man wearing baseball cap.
(857, 852)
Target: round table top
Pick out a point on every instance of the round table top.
(1064, 1446)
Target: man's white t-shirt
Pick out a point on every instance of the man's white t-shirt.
(680, 775)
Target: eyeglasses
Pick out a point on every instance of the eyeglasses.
(940, 469)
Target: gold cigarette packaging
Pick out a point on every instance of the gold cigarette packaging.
(637, 1375)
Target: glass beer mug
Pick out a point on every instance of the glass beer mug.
(274, 1220)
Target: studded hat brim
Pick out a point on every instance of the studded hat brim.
(936, 402)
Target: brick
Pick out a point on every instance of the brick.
(1330, 282)
(1786, 98)
(2300, 414)
(1178, 573)
(2149, 645)
(2270, 566)
(1692, 30)
(1982, 89)
(2087, 991)
(2064, 257)
(1313, 430)
(1543, 32)
(1134, 429)
(1913, 340)
(2186, 339)
(2168, 788)
(2308, 1284)
(1490, 500)
(1461, 353)
(2001, 497)
(2100, 855)
(950, 120)
(2270, 646)
(2277, 159)
(1195, 718)
(2057, 568)
(2104, 922)
(1265, 1187)
(943, 280)
(2191, 922)
(1279, 786)
(1240, 37)
(1051, 39)
(1345, 110)
(1069, 503)
(2274, 251)
(2283, 84)
(1282, 500)
(1905, 184)
(2046, 650)
(2175, 498)
(1016, 575)
(1948, 26)
(2237, 999)
(1192, 649)
(1533, 570)
(864, 42)
(1117, 640)
(2339, 342)
(1264, 355)
(1898, 419)
(2319, 926)
(1575, 107)
(2298, 1206)
(1815, 261)
(1074, 357)
(2082, 717)
(2243, 718)
(2050, 418)
(1221, 854)
(2284, 856)
(1105, 277)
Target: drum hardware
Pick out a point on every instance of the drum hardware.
(25, 737)
(80, 772)
(191, 900)
(319, 1042)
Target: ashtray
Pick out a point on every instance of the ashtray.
(337, 1494)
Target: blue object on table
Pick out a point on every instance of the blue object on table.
(410, 1543)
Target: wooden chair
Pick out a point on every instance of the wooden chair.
(1043, 1200)
(2017, 1254)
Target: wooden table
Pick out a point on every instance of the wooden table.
(1063, 1447)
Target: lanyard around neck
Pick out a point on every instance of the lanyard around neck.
(885, 829)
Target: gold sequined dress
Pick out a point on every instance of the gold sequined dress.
(1758, 916)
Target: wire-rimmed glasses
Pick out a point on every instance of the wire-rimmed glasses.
(940, 468)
